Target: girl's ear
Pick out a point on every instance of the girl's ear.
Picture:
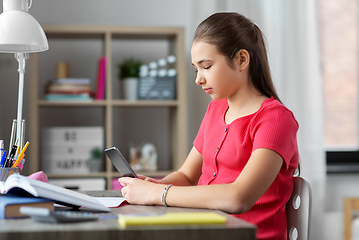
(243, 59)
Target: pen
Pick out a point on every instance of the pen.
(8, 162)
(17, 151)
(1, 147)
(2, 162)
(13, 150)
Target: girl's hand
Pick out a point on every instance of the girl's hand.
(141, 191)
(149, 179)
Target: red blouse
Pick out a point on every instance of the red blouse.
(226, 148)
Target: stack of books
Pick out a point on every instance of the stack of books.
(68, 89)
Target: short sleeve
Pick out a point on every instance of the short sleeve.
(275, 128)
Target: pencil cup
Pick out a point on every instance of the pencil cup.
(5, 172)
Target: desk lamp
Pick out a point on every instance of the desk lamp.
(20, 34)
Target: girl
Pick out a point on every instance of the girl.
(245, 152)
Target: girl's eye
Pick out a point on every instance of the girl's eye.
(208, 67)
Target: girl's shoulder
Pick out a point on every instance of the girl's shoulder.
(272, 108)
(217, 105)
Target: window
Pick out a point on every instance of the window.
(338, 34)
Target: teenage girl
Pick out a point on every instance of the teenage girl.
(244, 155)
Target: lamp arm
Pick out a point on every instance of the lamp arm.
(20, 57)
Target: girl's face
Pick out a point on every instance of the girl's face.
(216, 77)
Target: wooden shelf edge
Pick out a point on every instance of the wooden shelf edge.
(85, 175)
(115, 103)
(145, 103)
(72, 103)
(74, 29)
(104, 174)
(155, 174)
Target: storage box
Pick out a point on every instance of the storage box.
(161, 88)
(69, 150)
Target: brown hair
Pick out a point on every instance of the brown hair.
(231, 32)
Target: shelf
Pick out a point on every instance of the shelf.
(71, 103)
(145, 103)
(104, 174)
(123, 103)
(162, 122)
(87, 175)
(146, 173)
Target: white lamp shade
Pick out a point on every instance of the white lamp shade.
(21, 33)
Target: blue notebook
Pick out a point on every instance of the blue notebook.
(10, 205)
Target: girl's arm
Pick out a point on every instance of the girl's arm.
(237, 197)
(189, 173)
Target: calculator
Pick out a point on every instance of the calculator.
(57, 216)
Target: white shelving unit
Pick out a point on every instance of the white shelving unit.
(110, 112)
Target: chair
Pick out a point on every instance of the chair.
(299, 210)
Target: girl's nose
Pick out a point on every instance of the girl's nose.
(199, 79)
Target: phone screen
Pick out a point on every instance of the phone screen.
(120, 162)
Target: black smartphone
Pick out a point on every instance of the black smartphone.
(120, 162)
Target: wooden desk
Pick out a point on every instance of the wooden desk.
(107, 229)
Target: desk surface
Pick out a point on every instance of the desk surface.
(109, 229)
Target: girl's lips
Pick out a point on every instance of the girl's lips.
(207, 90)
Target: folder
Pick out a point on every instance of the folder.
(182, 218)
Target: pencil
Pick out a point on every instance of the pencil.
(24, 148)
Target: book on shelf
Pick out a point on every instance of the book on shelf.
(56, 87)
(24, 187)
(72, 89)
(78, 81)
(73, 92)
(10, 205)
(69, 97)
(101, 77)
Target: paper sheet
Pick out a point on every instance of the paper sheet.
(111, 202)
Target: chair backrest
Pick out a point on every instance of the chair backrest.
(299, 210)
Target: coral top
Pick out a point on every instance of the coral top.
(226, 148)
